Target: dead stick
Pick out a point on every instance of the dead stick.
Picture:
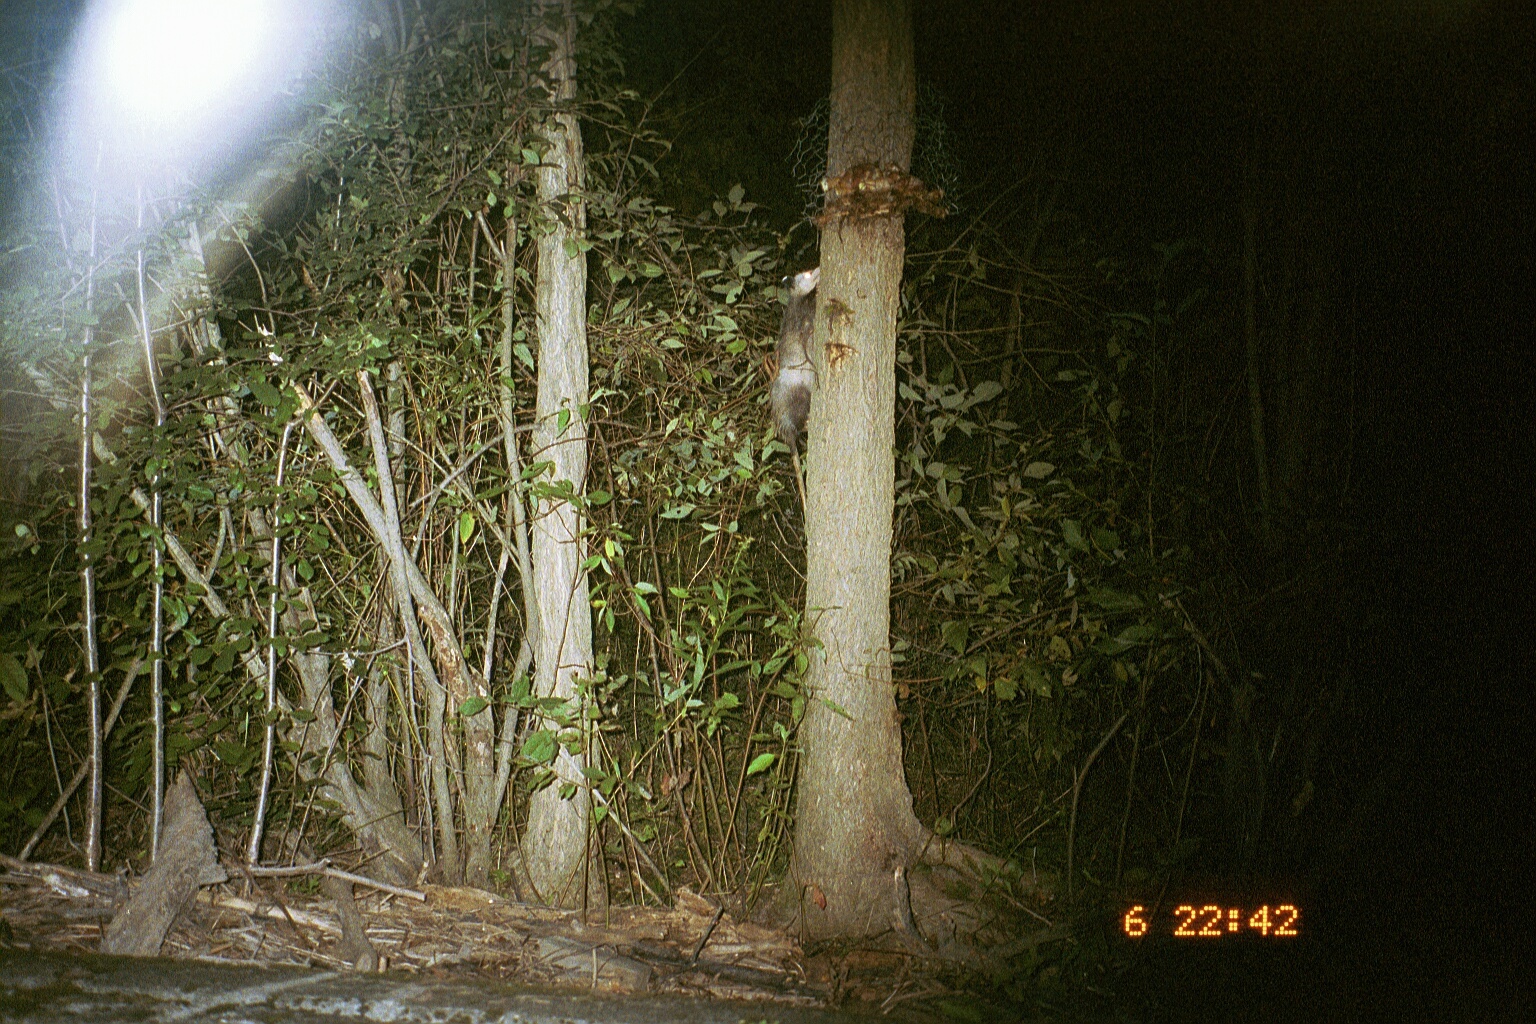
(324, 868)
(719, 912)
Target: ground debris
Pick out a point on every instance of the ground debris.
(695, 947)
(459, 932)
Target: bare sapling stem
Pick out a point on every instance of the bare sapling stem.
(87, 566)
(269, 737)
(157, 562)
(507, 251)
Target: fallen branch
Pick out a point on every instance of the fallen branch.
(323, 867)
(292, 916)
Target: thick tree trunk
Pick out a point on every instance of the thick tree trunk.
(555, 842)
(854, 822)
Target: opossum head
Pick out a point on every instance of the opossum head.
(802, 284)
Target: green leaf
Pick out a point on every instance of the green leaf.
(521, 692)
(1129, 637)
(1006, 688)
(466, 526)
(1039, 470)
(760, 763)
(540, 746)
(13, 678)
(838, 708)
(1140, 633)
(1073, 534)
(264, 393)
(1113, 600)
(473, 706)
(955, 634)
(233, 754)
(1033, 677)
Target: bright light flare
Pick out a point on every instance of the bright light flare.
(164, 59)
(175, 82)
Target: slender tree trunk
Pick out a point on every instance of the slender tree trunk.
(439, 737)
(555, 843)
(854, 822)
(93, 796)
(516, 520)
(157, 572)
(269, 734)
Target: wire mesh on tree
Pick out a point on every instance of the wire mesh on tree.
(932, 158)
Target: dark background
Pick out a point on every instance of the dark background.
(1407, 129)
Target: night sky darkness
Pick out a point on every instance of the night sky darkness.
(1420, 120)
(1410, 127)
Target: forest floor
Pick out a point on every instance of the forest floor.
(694, 948)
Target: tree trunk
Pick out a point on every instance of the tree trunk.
(854, 823)
(555, 842)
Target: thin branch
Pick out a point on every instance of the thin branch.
(1077, 790)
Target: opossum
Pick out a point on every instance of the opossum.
(790, 396)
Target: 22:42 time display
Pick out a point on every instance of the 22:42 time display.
(1212, 921)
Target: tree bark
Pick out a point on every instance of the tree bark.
(555, 842)
(854, 821)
